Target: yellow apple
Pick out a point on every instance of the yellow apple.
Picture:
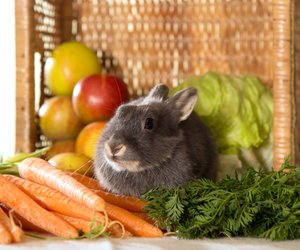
(72, 162)
(69, 62)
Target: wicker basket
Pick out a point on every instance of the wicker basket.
(151, 41)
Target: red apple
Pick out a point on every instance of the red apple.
(97, 96)
(58, 120)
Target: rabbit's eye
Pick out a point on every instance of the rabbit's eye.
(148, 123)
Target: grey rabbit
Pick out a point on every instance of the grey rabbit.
(155, 142)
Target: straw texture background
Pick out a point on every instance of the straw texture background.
(151, 41)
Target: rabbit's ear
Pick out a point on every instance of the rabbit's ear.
(159, 92)
(184, 101)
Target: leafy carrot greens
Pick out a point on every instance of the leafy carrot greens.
(10, 165)
(258, 204)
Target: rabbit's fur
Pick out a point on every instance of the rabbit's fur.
(155, 142)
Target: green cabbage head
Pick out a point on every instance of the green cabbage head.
(239, 111)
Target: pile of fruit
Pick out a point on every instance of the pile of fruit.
(83, 100)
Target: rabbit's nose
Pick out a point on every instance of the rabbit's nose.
(114, 149)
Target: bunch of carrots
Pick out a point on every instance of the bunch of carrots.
(45, 199)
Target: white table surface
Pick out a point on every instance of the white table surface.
(171, 243)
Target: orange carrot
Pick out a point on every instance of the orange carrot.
(130, 203)
(16, 232)
(42, 172)
(26, 225)
(86, 181)
(13, 197)
(80, 224)
(85, 225)
(55, 201)
(132, 223)
(22, 222)
(5, 235)
(145, 217)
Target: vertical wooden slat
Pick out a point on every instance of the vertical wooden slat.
(25, 114)
(66, 21)
(282, 81)
(297, 79)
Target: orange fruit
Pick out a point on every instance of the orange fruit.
(88, 137)
(58, 147)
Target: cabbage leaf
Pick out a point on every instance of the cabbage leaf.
(239, 111)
